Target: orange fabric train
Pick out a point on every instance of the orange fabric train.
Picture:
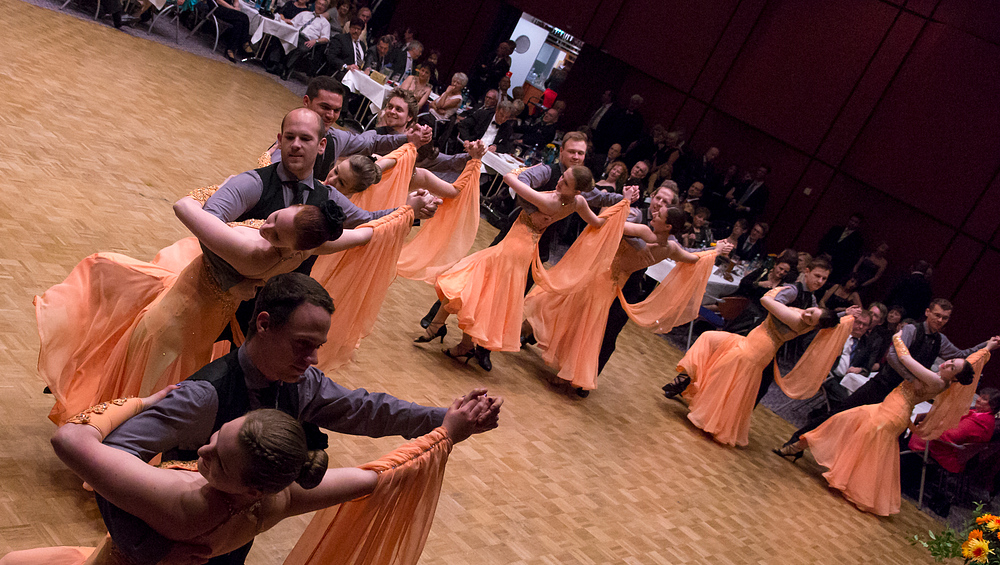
(677, 299)
(813, 367)
(390, 526)
(447, 237)
(954, 402)
(121, 327)
(392, 190)
(358, 280)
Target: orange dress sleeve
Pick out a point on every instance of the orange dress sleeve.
(677, 299)
(953, 403)
(392, 190)
(447, 237)
(389, 526)
(812, 368)
(357, 280)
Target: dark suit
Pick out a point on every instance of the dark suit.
(694, 169)
(622, 127)
(475, 125)
(753, 252)
(340, 52)
(375, 61)
(845, 253)
(537, 133)
(488, 74)
(397, 59)
(756, 200)
(913, 293)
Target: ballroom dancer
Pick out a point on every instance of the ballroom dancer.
(725, 369)
(486, 289)
(860, 446)
(569, 328)
(241, 485)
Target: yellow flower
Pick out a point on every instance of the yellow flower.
(976, 534)
(976, 550)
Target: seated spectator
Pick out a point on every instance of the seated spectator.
(490, 100)
(340, 19)
(365, 15)
(236, 39)
(487, 72)
(756, 283)
(313, 30)
(503, 87)
(346, 52)
(699, 234)
(376, 59)
(740, 227)
(403, 60)
(446, 106)
(420, 83)
(638, 174)
(750, 246)
(613, 179)
(433, 59)
(878, 333)
(692, 198)
(540, 132)
(494, 128)
(841, 296)
(856, 357)
(602, 162)
(894, 319)
(292, 9)
(976, 427)
(399, 113)
(662, 173)
(748, 199)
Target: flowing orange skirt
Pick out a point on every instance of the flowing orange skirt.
(120, 327)
(486, 289)
(725, 371)
(860, 447)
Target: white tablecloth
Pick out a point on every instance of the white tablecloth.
(251, 11)
(288, 34)
(364, 85)
(500, 162)
(717, 286)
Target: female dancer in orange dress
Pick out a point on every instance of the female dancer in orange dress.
(725, 368)
(486, 289)
(117, 327)
(860, 446)
(242, 484)
(569, 327)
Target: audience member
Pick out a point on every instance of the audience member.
(490, 100)
(541, 132)
(951, 449)
(756, 283)
(869, 268)
(857, 357)
(340, 19)
(236, 39)
(700, 169)
(638, 174)
(607, 102)
(494, 128)
(433, 58)
(662, 173)
(503, 87)
(614, 178)
(292, 9)
(739, 228)
(399, 113)
(313, 30)
(699, 234)
(346, 52)
(419, 83)
(913, 292)
(841, 296)
(748, 199)
(879, 334)
(447, 104)
(894, 319)
(751, 245)
(692, 198)
(376, 59)
(365, 15)
(622, 125)
(402, 60)
(603, 161)
(487, 73)
(843, 244)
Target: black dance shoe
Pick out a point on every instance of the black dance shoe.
(429, 336)
(789, 451)
(483, 358)
(527, 340)
(676, 387)
(460, 356)
(426, 320)
(582, 392)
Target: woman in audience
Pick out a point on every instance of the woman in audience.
(398, 114)
(447, 104)
(869, 269)
(419, 83)
(340, 19)
(149, 325)
(614, 177)
(840, 296)
(722, 371)
(860, 446)
(663, 172)
(486, 289)
(894, 319)
(236, 39)
(699, 235)
(256, 471)
(757, 283)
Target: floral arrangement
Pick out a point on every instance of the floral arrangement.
(980, 545)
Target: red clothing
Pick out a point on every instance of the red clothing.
(974, 427)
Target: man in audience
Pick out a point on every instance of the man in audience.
(692, 199)
(750, 246)
(402, 61)
(925, 342)
(377, 58)
(857, 357)
(637, 175)
(494, 128)
(603, 161)
(541, 132)
(843, 244)
(399, 113)
(747, 200)
(595, 122)
(346, 51)
(913, 292)
(291, 321)
(314, 30)
(487, 73)
(622, 125)
(365, 15)
(325, 96)
(699, 169)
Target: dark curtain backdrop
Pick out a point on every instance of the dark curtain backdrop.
(888, 107)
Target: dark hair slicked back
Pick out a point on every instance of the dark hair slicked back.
(282, 294)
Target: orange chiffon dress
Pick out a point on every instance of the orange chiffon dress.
(569, 328)
(860, 447)
(120, 327)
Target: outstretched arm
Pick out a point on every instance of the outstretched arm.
(347, 240)
(641, 231)
(791, 317)
(678, 253)
(588, 215)
(248, 253)
(544, 205)
(923, 374)
(422, 178)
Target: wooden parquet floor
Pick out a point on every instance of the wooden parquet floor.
(101, 131)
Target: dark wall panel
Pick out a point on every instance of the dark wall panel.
(581, 92)
(984, 219)
(922, 7)
(600, 24)
(957, 260)
(798, 206)
(800, 64)
(933, 139)
(458, 37)
(668, 39)
(660, 102)
(971, 320)
(871, 87)
(727, 48)
(688, 118)
(978, 17)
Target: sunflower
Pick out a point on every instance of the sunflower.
(976, 550)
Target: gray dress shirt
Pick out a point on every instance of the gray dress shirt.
(947, 351)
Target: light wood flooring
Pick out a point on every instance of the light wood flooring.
(100, 132)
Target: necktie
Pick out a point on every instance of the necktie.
(298, 189)
(358, 55)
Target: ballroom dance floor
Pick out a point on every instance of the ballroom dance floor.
(101, 131)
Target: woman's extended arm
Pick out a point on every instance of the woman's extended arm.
(923, 374)
(678, 253)
(347, 240)
(337, 486)
(856, 299)
(791, 317)
(588, 215)
(386, 164)
(422, 178)
(248, 253)
(829, 293)
(544, 204)
(641, 231)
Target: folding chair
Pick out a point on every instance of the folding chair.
(97, 13)
(209, 16)
(167, 9)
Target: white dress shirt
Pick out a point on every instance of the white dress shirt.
(311, 26)
(491, 133)
(844, 361)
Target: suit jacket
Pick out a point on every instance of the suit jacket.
(397, 59)
(340, 52)
(375, 61)
(475, 125)
(756, 201)
(845, 253)
(756, 250)
(863, 355)
(622, 127)
(537, 133)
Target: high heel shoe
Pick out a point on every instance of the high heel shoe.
(483, 357)
(527, 340)
(459, 356)
(789, 450)
(440, 333)
(676, 387)
(426, 320)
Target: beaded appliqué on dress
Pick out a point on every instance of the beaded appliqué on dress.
(255, 224)
(264, 160)
(84, 417)
(203, 194)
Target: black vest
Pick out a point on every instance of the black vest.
(804, 299)
(272, 196)
(924, 350)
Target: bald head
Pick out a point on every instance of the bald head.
(304, 116)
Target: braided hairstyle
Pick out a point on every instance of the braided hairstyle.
(366, 172)
(275, 447)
